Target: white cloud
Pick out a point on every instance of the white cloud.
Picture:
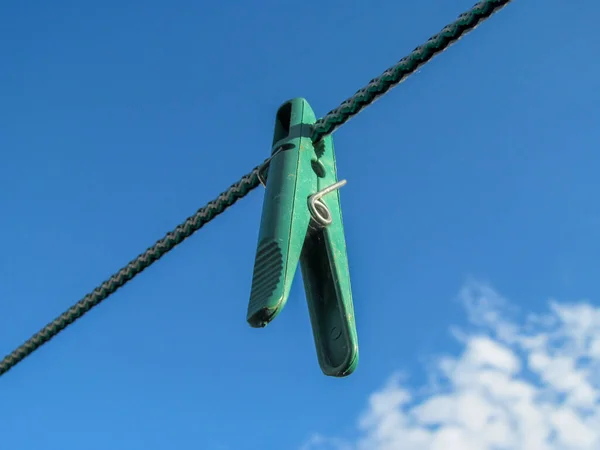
(533, 385)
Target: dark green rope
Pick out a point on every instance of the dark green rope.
(326, 125)
(396, 74)
(135, 267)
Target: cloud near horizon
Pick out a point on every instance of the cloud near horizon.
(533, 385)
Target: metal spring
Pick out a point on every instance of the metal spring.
(260, 176)
(317, 207)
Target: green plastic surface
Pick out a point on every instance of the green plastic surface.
(288, 236)
(285, 215)
(326, 276)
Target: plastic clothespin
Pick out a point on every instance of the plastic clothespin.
(302, 222)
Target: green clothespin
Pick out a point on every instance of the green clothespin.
(302, 222)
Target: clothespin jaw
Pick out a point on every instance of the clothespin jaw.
(302, 223)
(325, 271)
(285, 217)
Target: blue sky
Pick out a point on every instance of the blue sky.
(471, 202)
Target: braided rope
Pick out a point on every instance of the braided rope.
(396, 74)
(326, 125)
(135, 267)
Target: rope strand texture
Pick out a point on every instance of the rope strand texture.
(326, 125)
(396, 74)
(135, 267)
